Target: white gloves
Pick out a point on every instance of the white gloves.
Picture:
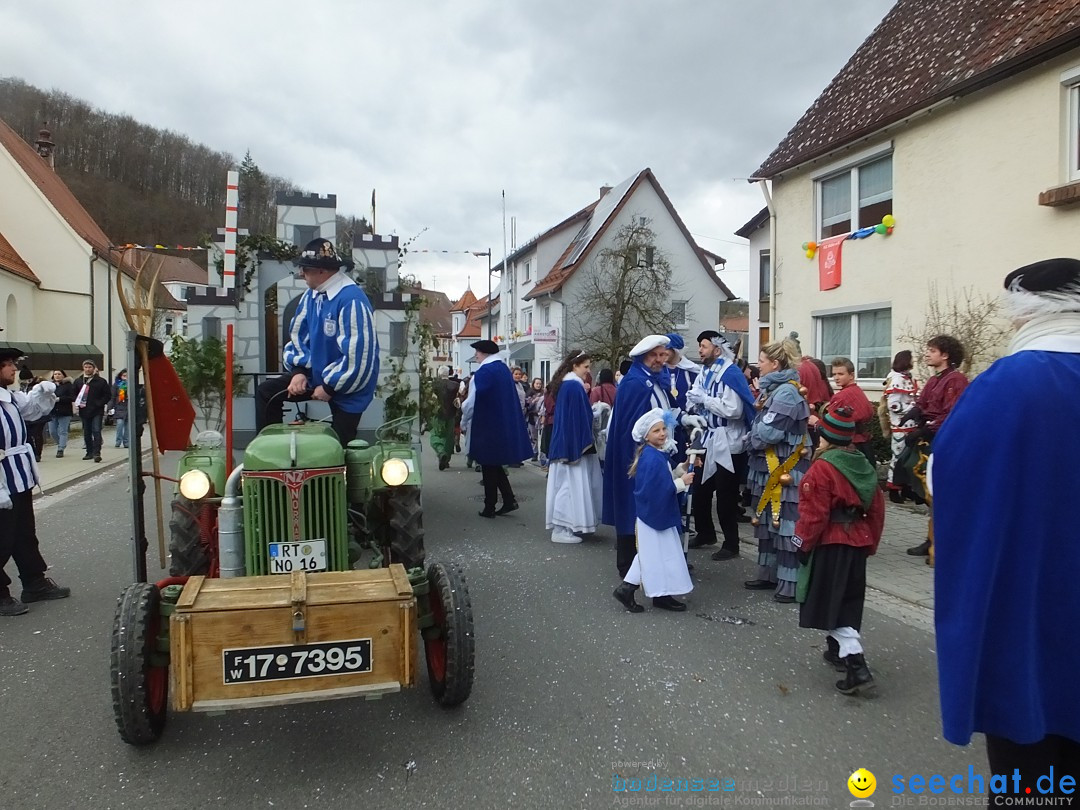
(695, 396)
(670, 447)
(692, 421)
(5, 498)
(679, 471)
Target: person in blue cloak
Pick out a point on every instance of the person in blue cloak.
(574, 480)
(1007, 605)
(494, 427)
(659, 566)
(641, 389)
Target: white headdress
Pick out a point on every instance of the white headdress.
(643, 425)
(648, 343)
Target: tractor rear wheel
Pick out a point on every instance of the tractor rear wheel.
(450, 653)
(405, 527)
(140, 690)
(187, 555)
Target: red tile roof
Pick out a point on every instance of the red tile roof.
(464, 302)
(475, 315)
(11, 261)
(563, 269)
(54, 189)
(922, 53)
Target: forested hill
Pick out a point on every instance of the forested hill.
(141, 184)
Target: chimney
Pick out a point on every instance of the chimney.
(604, 190)
(45, 145)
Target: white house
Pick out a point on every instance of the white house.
(542, 282)
(961, 121)
(58, 269)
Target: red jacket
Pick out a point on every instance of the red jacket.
(823, 489)
(939, 395)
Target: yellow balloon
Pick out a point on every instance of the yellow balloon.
(888, 220)
(809, 254)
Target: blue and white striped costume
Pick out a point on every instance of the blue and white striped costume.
(332, 338)
(17, 461)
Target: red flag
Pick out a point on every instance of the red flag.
(828, 254)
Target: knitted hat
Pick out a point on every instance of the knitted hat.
(837, 427)
(675, 341)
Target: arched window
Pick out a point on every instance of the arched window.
(11, 322)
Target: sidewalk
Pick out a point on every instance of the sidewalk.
(60, 473)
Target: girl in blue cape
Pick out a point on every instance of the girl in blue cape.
(659, 565)
(575, 483)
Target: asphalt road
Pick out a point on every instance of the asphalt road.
(570, 690)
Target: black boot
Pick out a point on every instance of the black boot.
(921, 550)
(625, 594)
(832, 654)
(668, 603)
(859, 681)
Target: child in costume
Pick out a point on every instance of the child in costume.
(659, 565)
(841, 516)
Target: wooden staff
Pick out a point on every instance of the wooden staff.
(140, 318)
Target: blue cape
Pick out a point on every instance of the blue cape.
(654, 492)
(571, 432)
(734, 379)
(499, 435)
(1007, 602)
(633, 401)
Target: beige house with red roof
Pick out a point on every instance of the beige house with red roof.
(959, 118)
(57, 273)
(546, 279)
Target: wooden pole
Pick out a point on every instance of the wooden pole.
(144, 359)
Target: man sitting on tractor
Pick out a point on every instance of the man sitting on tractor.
(333, 351)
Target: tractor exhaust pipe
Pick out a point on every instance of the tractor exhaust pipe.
(231, 528)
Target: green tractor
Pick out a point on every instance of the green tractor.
(297, 576)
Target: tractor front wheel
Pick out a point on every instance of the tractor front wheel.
(405, 527)
(140, 690)
(450, 650)
(187, 554)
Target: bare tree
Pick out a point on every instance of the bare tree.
(973, 318)
(625, 293)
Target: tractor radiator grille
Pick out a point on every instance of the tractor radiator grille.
(279, 509)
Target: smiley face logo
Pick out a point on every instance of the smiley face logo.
(862, 784)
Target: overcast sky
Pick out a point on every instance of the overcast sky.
(440, 106)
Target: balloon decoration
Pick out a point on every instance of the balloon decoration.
(884, 228)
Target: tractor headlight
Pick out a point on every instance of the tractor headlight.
(395, 472)
(195, 485)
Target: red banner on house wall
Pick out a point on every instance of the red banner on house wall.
(828, 254)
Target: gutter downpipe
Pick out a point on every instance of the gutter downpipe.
(773, 263)
(109, 319)
(93, 258)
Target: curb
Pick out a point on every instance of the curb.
(60, 486)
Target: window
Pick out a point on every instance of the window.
(183, 326)
(865, 190)
(678, 313)
(168, 326)
(764, 274)
(547, 314)
(1071, 80)
(528, 268)
(865, 337)
(302, 234)
(545, 371)
(398, 343)
(526, 321)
